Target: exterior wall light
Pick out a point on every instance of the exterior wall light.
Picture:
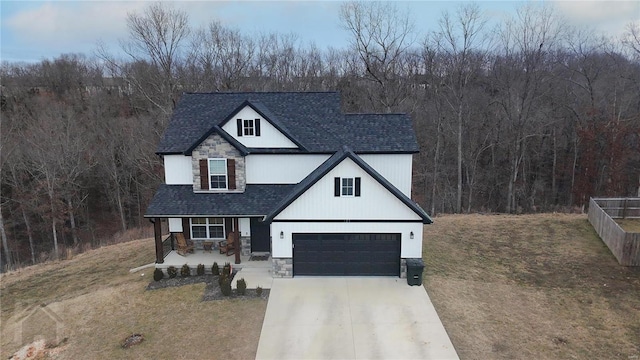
(281, 234)
(411, 235)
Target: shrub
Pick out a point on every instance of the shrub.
(241, 286)
(172, 271)
(185, 270)
(259, 291)
(226, 269)
(200, 269)
(215, 269)
(225, 287)
(158, 274)
(221, 279)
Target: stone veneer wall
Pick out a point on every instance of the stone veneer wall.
(282, 267)
(216, 147)
(245, 246)
(403, 268)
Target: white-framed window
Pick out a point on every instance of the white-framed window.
(207, 228)
(248, 127)
(218, 174)
(347, 187)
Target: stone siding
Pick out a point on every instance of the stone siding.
(245, 246)
(282, 267)
(216, 147)
(403, 268)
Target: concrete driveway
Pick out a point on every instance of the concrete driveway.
(351, 318)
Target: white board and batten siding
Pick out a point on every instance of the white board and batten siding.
(375, 202)
(396, 168)
(409, 248)
(270, 137)
(281, 168)
(177, 170)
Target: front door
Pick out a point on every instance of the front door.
(260, 236)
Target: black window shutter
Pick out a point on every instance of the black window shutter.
(257, 125)
(186, 228)
(336, 186)
(231, 174)
(239, 122)
(357, 185)
(204, 174)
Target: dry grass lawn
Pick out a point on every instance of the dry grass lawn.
(629, 225)
(101, 303)
(531, 287)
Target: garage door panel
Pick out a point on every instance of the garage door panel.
(346, 254)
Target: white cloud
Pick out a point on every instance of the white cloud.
(76, 24)
(605, 16)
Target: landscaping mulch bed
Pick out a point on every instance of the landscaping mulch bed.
(212, 289)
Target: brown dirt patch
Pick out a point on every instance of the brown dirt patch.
(534, 286)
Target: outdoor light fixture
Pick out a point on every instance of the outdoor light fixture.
(281, 234)
(411, 235)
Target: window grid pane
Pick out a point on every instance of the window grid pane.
(216, 232)
(217, 167)
(199, 232)
(218, 181)
(248, 127)
(347, 187)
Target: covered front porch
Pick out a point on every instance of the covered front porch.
(204, 236)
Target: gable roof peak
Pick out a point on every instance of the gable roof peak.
(330, 164)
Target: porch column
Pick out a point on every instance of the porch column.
(157, 233)
(236, 236)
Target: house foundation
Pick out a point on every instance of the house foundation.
(282, 267)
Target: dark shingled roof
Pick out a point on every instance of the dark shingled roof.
(331, 163)
(313, 120)
(180, 200)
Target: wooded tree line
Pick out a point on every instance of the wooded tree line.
(527, 116)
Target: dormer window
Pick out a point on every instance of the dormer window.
(248, 127)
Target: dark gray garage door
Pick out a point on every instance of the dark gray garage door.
(346, 254)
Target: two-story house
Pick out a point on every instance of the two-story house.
(325, 193)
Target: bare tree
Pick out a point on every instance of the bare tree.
(156, 36)
(57, 157)
(521, 80)
(224, 56)
(463, 46)
(381, 36)
(5, 153)
(631, 38)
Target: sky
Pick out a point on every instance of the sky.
(35, 30)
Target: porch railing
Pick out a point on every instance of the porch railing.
(167, 245)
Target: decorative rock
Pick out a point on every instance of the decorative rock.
(133, 339)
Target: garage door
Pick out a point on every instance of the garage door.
(346, 254)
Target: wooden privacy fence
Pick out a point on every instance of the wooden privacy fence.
(625, 246)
